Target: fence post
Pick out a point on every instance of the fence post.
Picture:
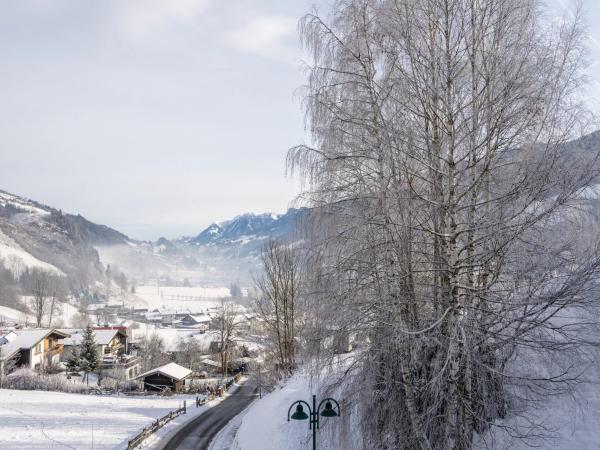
(184, 410)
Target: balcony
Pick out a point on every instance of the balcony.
(120, 362)
(56, 349)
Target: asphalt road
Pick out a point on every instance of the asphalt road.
(197, 434)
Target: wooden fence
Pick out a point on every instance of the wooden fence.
(147, 431)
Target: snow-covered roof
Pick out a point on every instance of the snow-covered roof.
(209, 362)
(102, 337)
(200, 318)
(27, 339)
(171, 370)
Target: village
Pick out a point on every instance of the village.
(140, 349)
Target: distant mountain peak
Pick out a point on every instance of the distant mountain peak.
(247, 227)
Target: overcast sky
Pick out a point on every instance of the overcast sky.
(157, 117)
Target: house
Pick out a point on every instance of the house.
(257, 325)
(168, 377)
(124, 328)
(123, 367)
(154, 317)
(199, 321)
(34, 348)
(111, 342)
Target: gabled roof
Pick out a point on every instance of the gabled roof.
(102, 337)
(171, 370)
(27, 339)
(199, 318)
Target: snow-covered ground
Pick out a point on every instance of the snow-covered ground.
(172, 336)
(196, 299)
(42, 420)
(265, 426)
(13, 315)
(17, 259)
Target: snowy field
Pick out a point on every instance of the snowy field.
(12, 315)
(196, 299)
(172, 336)
(35, 420)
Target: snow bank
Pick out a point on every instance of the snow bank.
(265, 425)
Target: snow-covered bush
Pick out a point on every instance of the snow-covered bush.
(27, 379)
(118, 385)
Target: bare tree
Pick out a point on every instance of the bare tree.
(57, 293)
(153, 352)
(279, 286)
(449, 225)
(227, 318)
(40, 290)
(188, 353)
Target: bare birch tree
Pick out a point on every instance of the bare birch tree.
(450, 225)
(279, 286)
(228, 323)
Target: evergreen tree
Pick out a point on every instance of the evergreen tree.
(89, 357)
(74, 361)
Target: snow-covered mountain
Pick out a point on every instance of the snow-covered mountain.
(246, 228)
(34, 235)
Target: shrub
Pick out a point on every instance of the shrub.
(27, 379)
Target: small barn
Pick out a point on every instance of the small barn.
(168, 377)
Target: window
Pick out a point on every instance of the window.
(38, 348)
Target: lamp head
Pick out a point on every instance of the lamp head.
(328, 411)
(299, 414)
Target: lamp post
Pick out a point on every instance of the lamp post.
(314, 413)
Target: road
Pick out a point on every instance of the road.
(197, 434)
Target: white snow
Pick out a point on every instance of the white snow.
(171, 336)
(22, 204)
(172, 370)
(14, 315)
(18, 259)
(265, 425)
(192, 299)
(35, 420)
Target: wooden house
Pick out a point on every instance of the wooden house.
(34, 348)
(168, 377)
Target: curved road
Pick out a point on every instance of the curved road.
(197, 433)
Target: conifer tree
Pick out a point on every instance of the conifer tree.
(89, 357)
(74, 361)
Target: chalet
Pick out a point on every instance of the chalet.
(111, 342)
(168, 377)
(200, 321)
(34, 348)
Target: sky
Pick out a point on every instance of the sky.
(159, 117)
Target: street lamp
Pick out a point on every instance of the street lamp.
(314, 413)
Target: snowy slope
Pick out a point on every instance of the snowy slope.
(17, 259)
(265, 426)
(576, 422)
(13, 315)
